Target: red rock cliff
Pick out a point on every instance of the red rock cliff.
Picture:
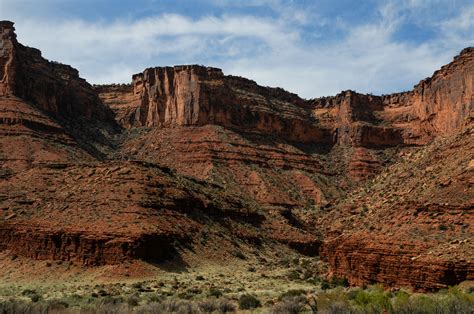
(436, 106)
(7, 52)
(56, 90)
(196, 96)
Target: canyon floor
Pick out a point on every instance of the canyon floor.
(284, 283)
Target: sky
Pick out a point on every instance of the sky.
(312, 48)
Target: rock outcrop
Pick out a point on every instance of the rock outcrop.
(413, 225)
(364, 259)
(54, 88)
(196, 96)
(53, 91)
(436, 106)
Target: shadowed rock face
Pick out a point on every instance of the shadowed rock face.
(54, 88)
(49, 91)
(266, 166)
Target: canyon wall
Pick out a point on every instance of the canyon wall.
(196, 96)
(7, 52)
(39, 97)
(267, 167)
(436, 106)
(54, 88)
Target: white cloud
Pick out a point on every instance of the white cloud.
(271, 50)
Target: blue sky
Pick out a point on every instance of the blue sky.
(313, 48)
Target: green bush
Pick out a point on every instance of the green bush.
(133, 300)
(34, 297)
(290, 305)
(377, 300)
(291, 293)
(214, 292)
(217, 306)
(248, 302)
(325, 285)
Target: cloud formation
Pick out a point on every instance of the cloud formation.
(296, 47)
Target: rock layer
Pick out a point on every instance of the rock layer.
(53, 89)
(196, 96)
(436, 106)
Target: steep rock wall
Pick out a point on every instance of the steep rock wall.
(195, 96)
(52, 90)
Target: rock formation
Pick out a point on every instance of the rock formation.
(379, 186)
(196, 96)
(54, 98)
(436, 106)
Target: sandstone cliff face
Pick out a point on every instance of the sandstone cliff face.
(54, 88)
(196, 96)
(7, 51)
(394, 263)
(436, 106)
(175, 96)
(444, 101)
(120, 98)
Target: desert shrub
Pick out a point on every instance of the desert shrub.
(32, 294)
(57, 305)
(137, 285)
(293, 275)
(248, 301)
(102, 293)
(375, 300)
(239, 254)
(214, 292)
(156, 298)
(328, 298)
(325, 285)
(342, 282)
(400, 299)
(451, 301)
(291, 293)
(34, 297)
(106, 309)
(194, 290)
(217, 306)
(133, 300)
(21, 307)
(290, 305)
(340, 307)
(169, 306)
(443, 227)
(110, 300)
(185, 295)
